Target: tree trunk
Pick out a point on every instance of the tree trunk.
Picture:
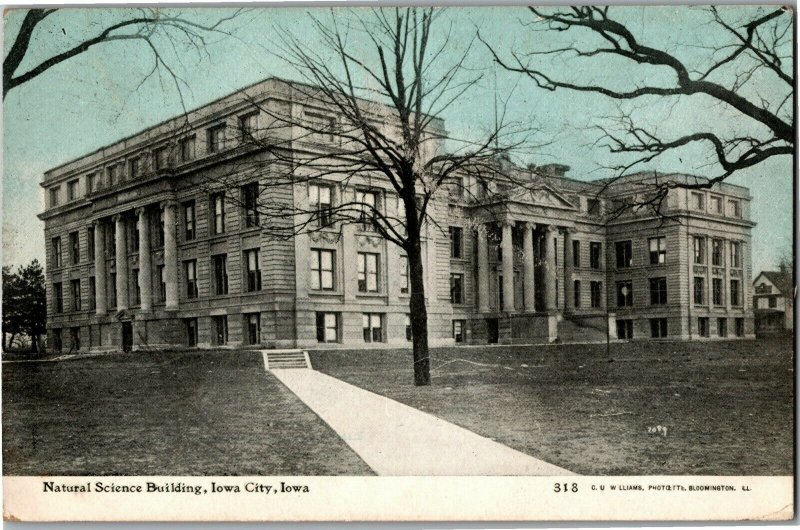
(419, 313)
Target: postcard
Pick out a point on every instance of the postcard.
(398, 263)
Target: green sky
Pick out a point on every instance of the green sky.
(99, 97)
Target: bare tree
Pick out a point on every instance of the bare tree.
(749, 73)
(152, 27)
(379, 109)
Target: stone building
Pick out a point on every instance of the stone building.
(155, 241)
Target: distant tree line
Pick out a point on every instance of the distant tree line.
(24, 307)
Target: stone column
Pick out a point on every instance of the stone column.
(100, 274)
(569, 267)
(529, 285)
(483, 269)
(121, 249)
(145, 268)
(508, 267)
(726, 258)
(550, 268)
(170, 256)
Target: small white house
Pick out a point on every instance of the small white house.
(773, 302)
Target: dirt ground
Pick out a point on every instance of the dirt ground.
(196, 413)
(717, 408)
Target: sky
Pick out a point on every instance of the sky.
(105, 94)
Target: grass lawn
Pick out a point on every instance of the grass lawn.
(727, 406)
(198, 413)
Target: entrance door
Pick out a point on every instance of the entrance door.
(127, 336)
(492, 330)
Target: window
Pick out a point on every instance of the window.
(327, 327)
(458, 331)
(456, 242)
(716, 204)
(716, 291)
(90, 183)
(595, 250)
(220, 274)
(53, 197)
(722, 327)
(369, 203)
(500, 303)
(322, 269)
(216, 138)
(112, 291)
(740, 327)
(220, 330)
(372, 324)
(250, 201)
(252, 261)
(624, 329)
(75, 294)
(319, 200)
(57, 339)
(90, 242)
(576, 253)
(190, 324)
(134, 236)
(658, 250)
(624, 251)
(773, 302)
(595, 293)
(593, 206)
(190, 269)
(368, 278)
(253, 327)
(658, 328)
(162, 290)
(72, 190)
(699, 249)
(456, 288)
(404, 274)
(133, 168)
(409, 335)
(58, 297)
(218, 213)
(320, 128)
(248, 125)
(735, 292)
(699, 290)
(75, 338)
(160, 231)
(111, 238)
(576, 293)
(74, 248)
(56, 246)
(734, 209)
(702, 326)
(698, 201)
(658, 291)
(187, 148)
(624, 294)
(716, 253)
(736, 254)
(92, 293)
(137, 288)
(111, 175)
(189, 223)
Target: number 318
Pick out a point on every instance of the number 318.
(565, 487)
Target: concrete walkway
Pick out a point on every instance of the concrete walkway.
(395, 439)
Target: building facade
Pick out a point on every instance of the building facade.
(156, 242)
(773, 302)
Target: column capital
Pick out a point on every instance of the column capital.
(96, 222)
(568, 230)
(167, 203)
(117, 217)
(550, 228)
(140, 210)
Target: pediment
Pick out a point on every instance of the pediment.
(543, 196)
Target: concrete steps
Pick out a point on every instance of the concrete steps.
(285, 359)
